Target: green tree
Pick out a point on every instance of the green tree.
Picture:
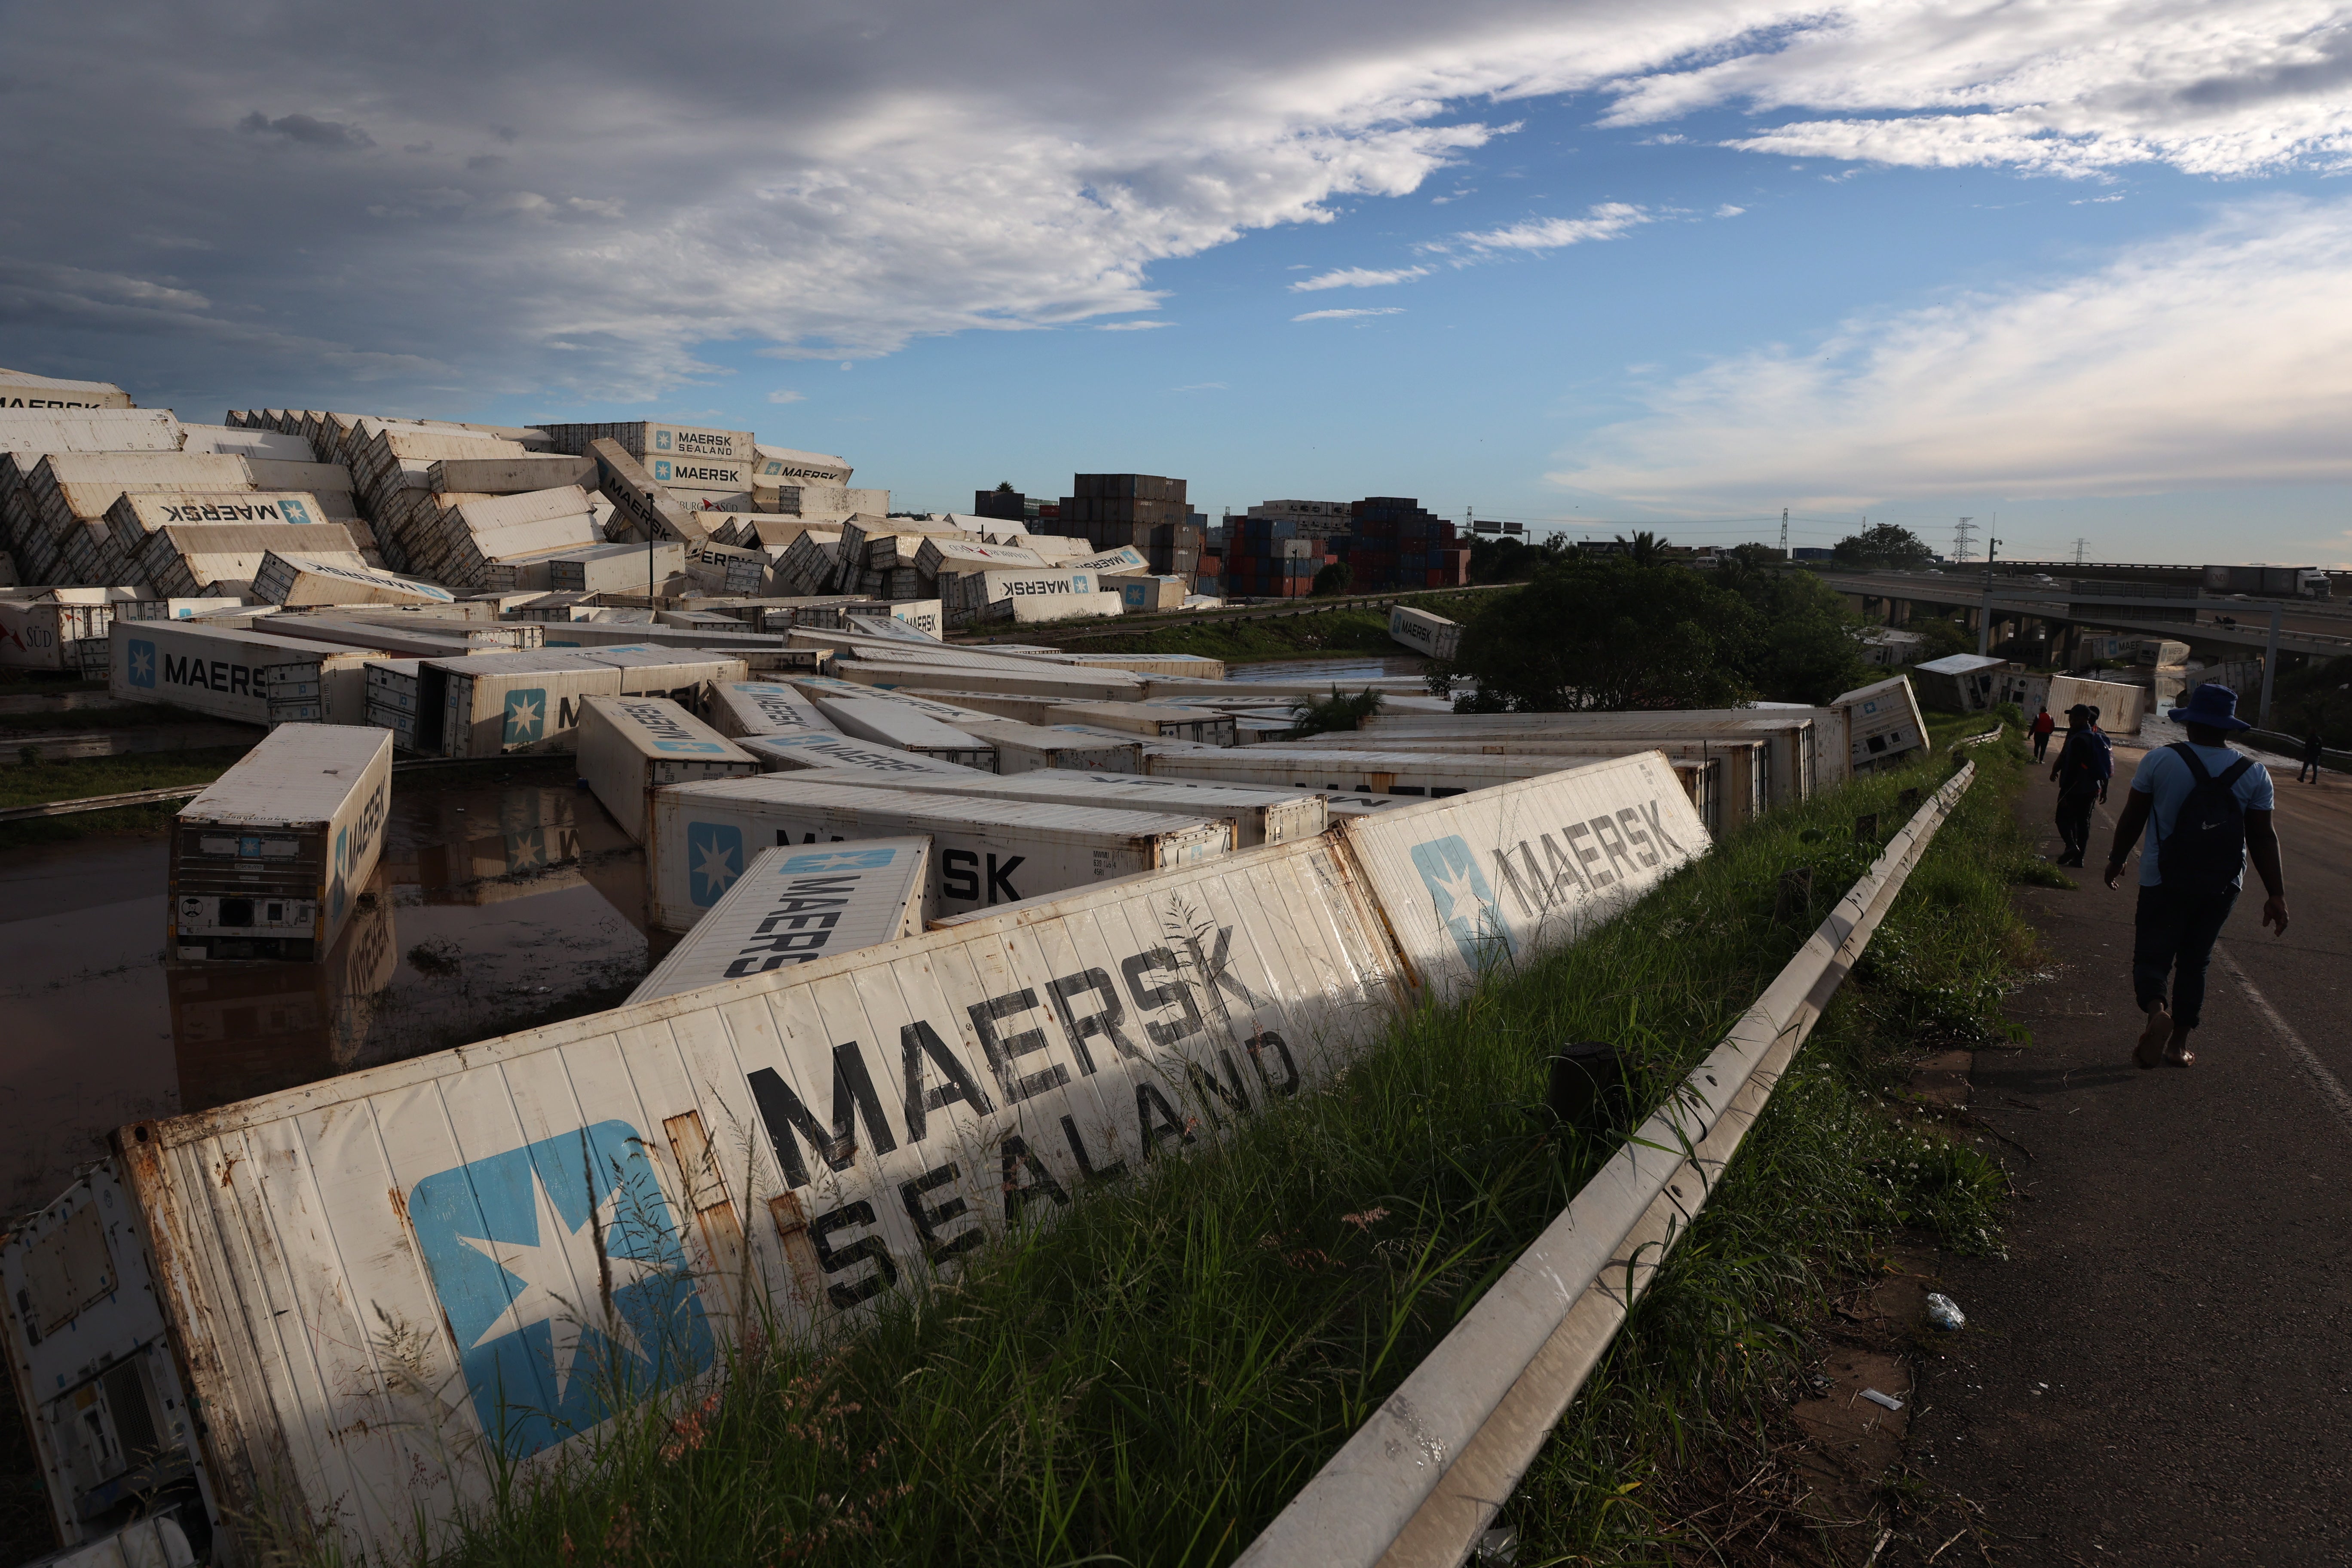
(1339, 711)
(1645, 549)
(1508, 559)
(1885, 545)
(1603, 633)
(1803, 647)
(1333, 579)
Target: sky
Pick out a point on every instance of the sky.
(2080, 270)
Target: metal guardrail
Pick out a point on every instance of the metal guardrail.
(1424, 1476)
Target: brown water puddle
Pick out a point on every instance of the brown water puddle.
(497, 905)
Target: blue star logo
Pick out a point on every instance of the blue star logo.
(526, 717)
(1463, 899)
(714, 854)
(520, 1246)
(838, 860)
(141, 662)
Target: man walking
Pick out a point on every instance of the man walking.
(2206, 810)
(2042, 725)
(2312, 749)
(2085, 763)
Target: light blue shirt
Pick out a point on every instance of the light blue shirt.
(2165, 777)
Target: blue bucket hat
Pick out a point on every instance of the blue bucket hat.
(2212, 705)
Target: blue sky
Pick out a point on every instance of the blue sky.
(2086, 271)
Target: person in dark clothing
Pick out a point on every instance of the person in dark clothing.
(2312, 749)
(2042, 725)
(2085, 763)
(2206, 810)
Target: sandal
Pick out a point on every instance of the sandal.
(2151, 1049)
(2180, 1056)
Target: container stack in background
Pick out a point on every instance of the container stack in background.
(1394, 545)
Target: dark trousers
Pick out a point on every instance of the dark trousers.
(2041, 744)
(2075, 823)
(2172, 939)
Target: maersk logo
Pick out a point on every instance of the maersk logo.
(661, 440)
(661, 468)
(526, 717)
(561, 1276)
(140, 660)
(295, 511)
(1464, 900)
(838, 860)
(714, 858)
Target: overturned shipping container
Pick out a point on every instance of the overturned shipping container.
(799, 905)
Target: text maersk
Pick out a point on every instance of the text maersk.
(1591, 855)
(1088, 1011)
(1076, 584)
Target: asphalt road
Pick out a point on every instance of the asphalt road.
(2161, 1372)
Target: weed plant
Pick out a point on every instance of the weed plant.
(1150, 1379)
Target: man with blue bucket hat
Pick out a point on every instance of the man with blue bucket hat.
(2206, 810)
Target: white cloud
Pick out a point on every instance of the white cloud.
(1358, 278)
(1347, 315)
(913, 183)
(1727, 210)
(1609, 220)
(2222, 358)
(1132, 326)
(788, 397)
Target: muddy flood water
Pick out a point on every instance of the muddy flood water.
(505, 898)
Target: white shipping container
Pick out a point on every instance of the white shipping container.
(223, 673)
(1466, 885)
(1206, 726)
(301, 581)
(984, 852)
(411, 638)
(179, 609)
(784, 466)
(796, 906)
(497, 703)
(1883, 722)
(698, 472)
(897, 725)
(1425, 633)
(845, 754)
(1257, 816)
(38, 635)
(1030, 612)
(266, 862)
(1366, 772)
(1024, 748)
(1124, 562)
(328, 686)
(1069, 684)
(739, 708)
(22, 389)
(631, 746)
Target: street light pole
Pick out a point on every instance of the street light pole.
(1984, 616)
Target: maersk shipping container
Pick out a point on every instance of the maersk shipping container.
(1883, 722)
(985, 852)
(795, 906)
(739, 708)
(846, 754)
(895, 724)
(1069, 684)
(296, 582)
(222, 673)
(1431, 774)
(267, 861)
(501, 702)
(410, 636)
(328, 686)
(630, 746)
(1423, 632)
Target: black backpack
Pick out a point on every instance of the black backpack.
(2205, 853)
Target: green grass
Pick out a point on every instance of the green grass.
(34, 783)
(1357, 630)
(1152, 1378)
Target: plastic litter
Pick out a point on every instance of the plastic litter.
(1499, 1546)
(1945, 1313)
(1888, 1400)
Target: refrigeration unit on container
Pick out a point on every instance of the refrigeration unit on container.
(1425, 633)
(1257, 816)
(630, 746)
(849, 755)
(985, 852)
(889, 724)
(740, 707)
(91, 1361)
(796, 905)
(267, 861)
(219, 672)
